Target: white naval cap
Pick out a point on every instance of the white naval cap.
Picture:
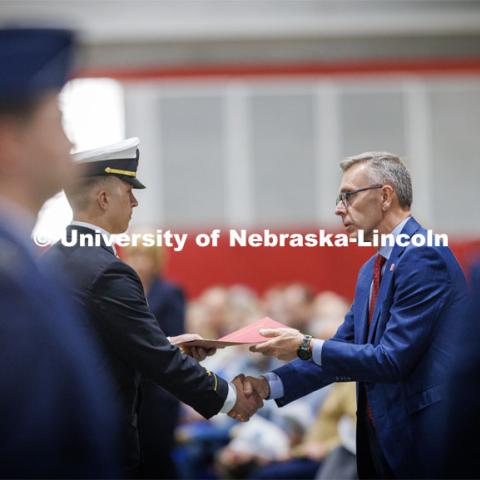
(119, 159)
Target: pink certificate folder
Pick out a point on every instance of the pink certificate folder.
(248, 335)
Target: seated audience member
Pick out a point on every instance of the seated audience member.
(243, 307)
(272, 303)
(328, 312)
(259, 449)
(298, 305)
(197, 320)
(262, 441)
(305, 459)
(215, 300)
(341, 462)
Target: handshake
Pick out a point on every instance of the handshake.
(281, 343)
(251, 392)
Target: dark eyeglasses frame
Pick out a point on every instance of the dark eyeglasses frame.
(344, 196)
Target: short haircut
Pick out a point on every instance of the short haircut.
(385, 168)
(78, 193)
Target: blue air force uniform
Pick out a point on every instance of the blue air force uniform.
(52, 399)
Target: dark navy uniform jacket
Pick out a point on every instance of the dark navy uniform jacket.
(157, 430)
(134, 345)
(55, 421)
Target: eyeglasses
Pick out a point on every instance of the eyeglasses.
(345, 196)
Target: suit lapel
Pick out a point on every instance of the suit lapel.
(384, 287)
(410, 228)
(363, 296)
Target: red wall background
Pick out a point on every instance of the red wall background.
(334, 269)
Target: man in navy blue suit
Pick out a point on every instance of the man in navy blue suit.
(52, 393)
(396, 340)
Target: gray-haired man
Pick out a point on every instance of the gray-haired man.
(396, 338)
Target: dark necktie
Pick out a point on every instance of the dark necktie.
(377, 276)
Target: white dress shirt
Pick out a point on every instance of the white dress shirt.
(106, 235)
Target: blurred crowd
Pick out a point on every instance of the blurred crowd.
(313, 437)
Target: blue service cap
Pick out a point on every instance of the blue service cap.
(33, 61)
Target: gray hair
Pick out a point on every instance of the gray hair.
(385, 168)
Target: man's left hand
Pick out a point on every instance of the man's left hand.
(283, 345)
(198, 353)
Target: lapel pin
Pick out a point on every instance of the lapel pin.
(392, 267)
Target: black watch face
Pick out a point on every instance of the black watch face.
(304, 354)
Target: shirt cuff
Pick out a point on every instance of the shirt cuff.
(317, 351)
(276, 385)
(231, 399)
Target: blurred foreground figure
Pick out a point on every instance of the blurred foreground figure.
(53, 420)
(167, 303)
(460, 455)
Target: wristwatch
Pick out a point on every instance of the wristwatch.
(304, 352)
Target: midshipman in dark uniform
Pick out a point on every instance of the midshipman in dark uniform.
(112, 295)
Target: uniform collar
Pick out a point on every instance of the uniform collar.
(95, 228)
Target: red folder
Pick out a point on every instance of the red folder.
(248, 335)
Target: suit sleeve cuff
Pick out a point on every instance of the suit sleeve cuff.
(317, 351)
(276, 385)
(231, 399)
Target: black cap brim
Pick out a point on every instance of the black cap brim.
(132, 181)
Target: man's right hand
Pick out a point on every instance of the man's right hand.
(248, 400)
(255, 385)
